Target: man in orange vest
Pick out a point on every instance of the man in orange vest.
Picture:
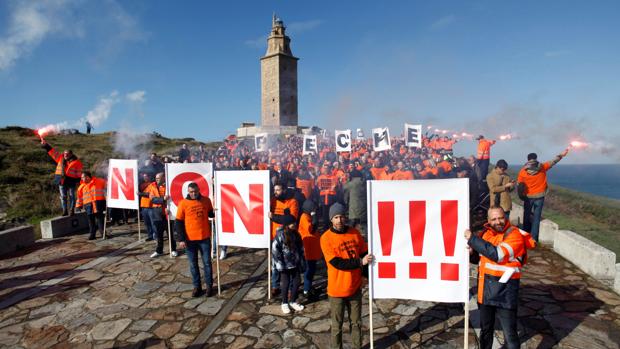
(145, 204)
(67, 176)
(158, 214)
(194, 233)
(503, 252)
(532, 181)
(483, 157)
(91, 197)
(346, 253)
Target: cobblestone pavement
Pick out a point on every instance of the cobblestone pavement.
(81, 294)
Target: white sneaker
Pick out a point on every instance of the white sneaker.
(286, 309)
(296, 306)
(155, 254)
(174, 254)
(222, 255)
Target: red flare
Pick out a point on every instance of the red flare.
(579, 144)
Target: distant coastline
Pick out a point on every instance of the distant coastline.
(597, 179)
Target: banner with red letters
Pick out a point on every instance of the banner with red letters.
(242, 199)
(416, 234)
(123, 184)
(179, 176)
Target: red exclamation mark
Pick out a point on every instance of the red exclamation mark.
(417, 227)
(449, 223)
(387, 270)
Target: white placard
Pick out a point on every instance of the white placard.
(413, 135)
(310, 145)
(242, 199)
(381, 139)
(343, 141)
(260, 142)
(122, 191)
(416, 234)
(179, 176)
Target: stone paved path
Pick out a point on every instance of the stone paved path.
(130, 300)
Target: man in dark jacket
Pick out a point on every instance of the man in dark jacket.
(503, 252)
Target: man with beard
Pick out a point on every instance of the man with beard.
(345, 252)
(503, 252)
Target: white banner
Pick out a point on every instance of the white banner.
(413, 135)
(310, 145)
(123, 184)
(381, 139)
(416, 234)
(179, 176)
(260, 142)
(343, 141)
(242, 199)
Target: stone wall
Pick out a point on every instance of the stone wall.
(16, 238)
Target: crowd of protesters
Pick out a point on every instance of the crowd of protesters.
(318, 212)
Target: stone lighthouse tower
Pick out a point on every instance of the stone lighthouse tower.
(278, 80)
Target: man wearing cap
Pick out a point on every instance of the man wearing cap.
(346, 253)
(532, 181)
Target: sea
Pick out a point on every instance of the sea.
(602, 180)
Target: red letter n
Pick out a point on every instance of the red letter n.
(127, 186)
(252, 217)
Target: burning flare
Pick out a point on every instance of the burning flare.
(506, 137)
(578, 144)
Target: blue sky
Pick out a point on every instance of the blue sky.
(546, 71)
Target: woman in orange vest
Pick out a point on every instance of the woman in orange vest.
(67, 176)
(91, 197)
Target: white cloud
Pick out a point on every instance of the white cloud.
(32, 22)
(443, 21)
(138, 96)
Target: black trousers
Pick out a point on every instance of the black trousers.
(95, 220)
(508, 321)
(289, 280)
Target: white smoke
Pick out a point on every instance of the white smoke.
(101, 111)
(133, 140)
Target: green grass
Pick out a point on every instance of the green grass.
(27, 193)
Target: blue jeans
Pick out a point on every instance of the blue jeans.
(204, 246)
(67, 196)
(309, 275)
(508, 320)
(532, 213)
(275, 277)
(222, 248)
(146, 219)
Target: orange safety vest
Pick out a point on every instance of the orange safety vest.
(144, 200)
(278, 207)
(157, 191)
(494, 277)
(535, 185)
(484, 149)
(312, 242)
(402, 175)
(305, 185)
(89, 193)
(72, 168)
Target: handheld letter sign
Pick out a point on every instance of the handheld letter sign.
(416, 235)
(360, 134)
(343, 141)
(242, 199)
(310, 145)
(260, 142)
(413, 135)
(179, 176)
(381, 138)
(123, 184)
